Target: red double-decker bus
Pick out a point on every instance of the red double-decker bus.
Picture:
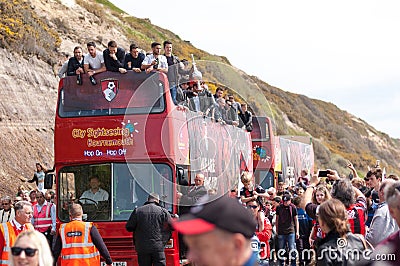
(264, 151)
(127, 132)
(279, 157)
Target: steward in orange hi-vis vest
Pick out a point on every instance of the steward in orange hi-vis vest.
(80, 243)
(77, 245)
(10, 230)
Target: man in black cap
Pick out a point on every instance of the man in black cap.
(218, 232)
(287, 228)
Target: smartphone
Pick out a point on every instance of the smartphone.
(323, 173)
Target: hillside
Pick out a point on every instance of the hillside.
(36, 34)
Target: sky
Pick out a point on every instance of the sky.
(343, 52)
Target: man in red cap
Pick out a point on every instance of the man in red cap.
(218, 231)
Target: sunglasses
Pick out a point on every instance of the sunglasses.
(30, 252)
(252, 206)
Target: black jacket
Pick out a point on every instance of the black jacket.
(111, 64)
(174, 70)
(245, 119)
(73, 65)
(151, 228)
(190, 197)
(135, 62)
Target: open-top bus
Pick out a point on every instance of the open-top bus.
(278, 158)
(126, 131)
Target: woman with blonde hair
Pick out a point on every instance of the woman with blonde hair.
(340, 246)
(31, 248)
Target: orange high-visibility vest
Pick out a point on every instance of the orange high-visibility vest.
(10, 234)
(42, 219)
(77, 245)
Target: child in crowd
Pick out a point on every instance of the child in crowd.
(247, 193)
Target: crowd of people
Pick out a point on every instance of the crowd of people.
(322, 210)
(322, 213)
(28, 230)
(186, 86)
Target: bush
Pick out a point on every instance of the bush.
(22, 30)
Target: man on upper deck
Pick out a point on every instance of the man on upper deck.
(155, 61)
(93, 61)
(114, 58)
(175, 69)
(134, 59)
(75, 63)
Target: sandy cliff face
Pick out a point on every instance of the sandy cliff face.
(28, 92)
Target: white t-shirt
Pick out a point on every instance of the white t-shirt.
(150, 58)
(40, 176)
(94, 62)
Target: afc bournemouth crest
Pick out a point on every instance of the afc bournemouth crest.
(109, 88)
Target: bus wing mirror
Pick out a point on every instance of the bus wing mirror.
(180, 172)
(48, 181)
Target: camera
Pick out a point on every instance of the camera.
(323, 173)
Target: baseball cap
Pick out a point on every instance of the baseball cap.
(286, 197)
(216, 212)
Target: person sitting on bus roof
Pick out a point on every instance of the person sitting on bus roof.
(225, 114)
(235, 104)
(93, 62)
(95, 193)
(75, 63)
(114, 58)
(220, 111)
(155, 61)
(203, 100)
(232, 118)
(182, 91)
(185, 93)
(175, 69)
(245, 118)
(219, 92)
(134, 59)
